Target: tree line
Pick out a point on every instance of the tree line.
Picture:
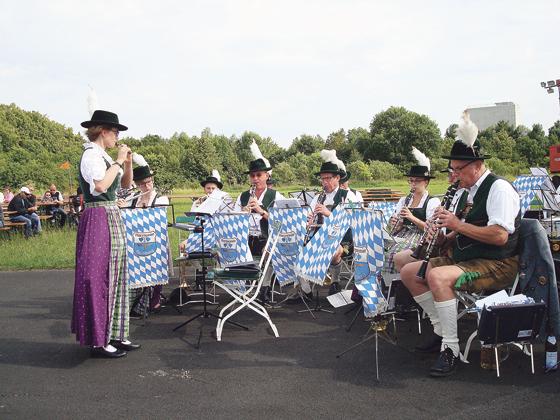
(35, 149)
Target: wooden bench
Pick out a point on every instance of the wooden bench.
(8, 224)
(381, 194)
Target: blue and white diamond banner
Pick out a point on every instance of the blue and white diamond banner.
(368, 242)
(524, 183)
(231, 234)
(194, 241)
(290, 224)
(386, 207)
(367, 231)
(146, 246)
(373, 300)
(314, 259)
(526, 200)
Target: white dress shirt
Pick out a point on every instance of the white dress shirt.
(93, 166)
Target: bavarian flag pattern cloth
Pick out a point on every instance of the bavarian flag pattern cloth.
(194, 241)
(231, 234)
(146, 246)
(387, 208)
(367, 232)
(290, 224)
(315, 258)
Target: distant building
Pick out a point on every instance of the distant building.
(487, 115)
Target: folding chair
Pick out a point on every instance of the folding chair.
(243, 283)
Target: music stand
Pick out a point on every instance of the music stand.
(203, 255)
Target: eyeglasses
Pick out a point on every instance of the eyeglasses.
(415, 180)
(460, 168)
(144, 182)
(114, 130)
(325, 178)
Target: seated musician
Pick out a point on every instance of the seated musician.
(458, 201)
(484, 244)
(258, 200)
(409, 220)
(148, 196)
(212, 187)
(345, 185)
(332, 169)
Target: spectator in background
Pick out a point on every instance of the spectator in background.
(55, 210)
(8, 194)
(25, 212)
(1, 197)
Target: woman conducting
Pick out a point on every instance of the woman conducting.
(100, 316)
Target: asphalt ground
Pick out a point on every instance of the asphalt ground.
(249, 374)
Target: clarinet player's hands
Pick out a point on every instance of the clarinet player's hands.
(322, 209)
(447, 219)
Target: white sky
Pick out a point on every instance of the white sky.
(279, 68)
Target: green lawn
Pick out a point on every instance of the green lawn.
(55, 248)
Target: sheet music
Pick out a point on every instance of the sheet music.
(214, 203)
(341, 298)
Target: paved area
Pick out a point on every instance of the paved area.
(250, 374)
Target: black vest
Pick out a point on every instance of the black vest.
(109, 195)
(418, 212)
(466, 248)
(267, 200)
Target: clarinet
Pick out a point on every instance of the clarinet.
(318, 219)
(421, 274)
(398, 226)
(420, 251)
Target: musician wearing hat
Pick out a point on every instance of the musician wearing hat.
(148, 196)
(409, 219)
(100, 316)
(257, 200)
(143, 177)
(331, 171)
(213, 188)
(345, 185)
(456, 205)
(483, 251)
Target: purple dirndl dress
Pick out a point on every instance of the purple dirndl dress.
(100, 310)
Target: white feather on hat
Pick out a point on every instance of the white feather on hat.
(330, 156)
(139, 159)
(467, 131)
(421, 158)
(216, 174)
(92, 102)
(257, 153)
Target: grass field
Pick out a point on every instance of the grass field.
(55, 248)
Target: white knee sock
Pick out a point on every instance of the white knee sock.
(305, 286)
(426, 302)
(447, 311)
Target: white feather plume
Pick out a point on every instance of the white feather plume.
(92, 101)
(330, 156)
(257, 153)
(467, 131)
(421, 158)
(216, 175)
(139, 159)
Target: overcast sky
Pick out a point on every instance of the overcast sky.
(279, 68)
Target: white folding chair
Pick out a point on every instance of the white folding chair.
(244, 289)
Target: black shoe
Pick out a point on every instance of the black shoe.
(445, 365)
(335, 288)
(431, 344)
(264, 294)
(297, 298)
(122, 346)
(135, 315)
(100, 352)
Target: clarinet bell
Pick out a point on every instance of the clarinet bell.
(421, 274)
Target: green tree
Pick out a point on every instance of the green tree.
(306, 144)
(393, 133)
